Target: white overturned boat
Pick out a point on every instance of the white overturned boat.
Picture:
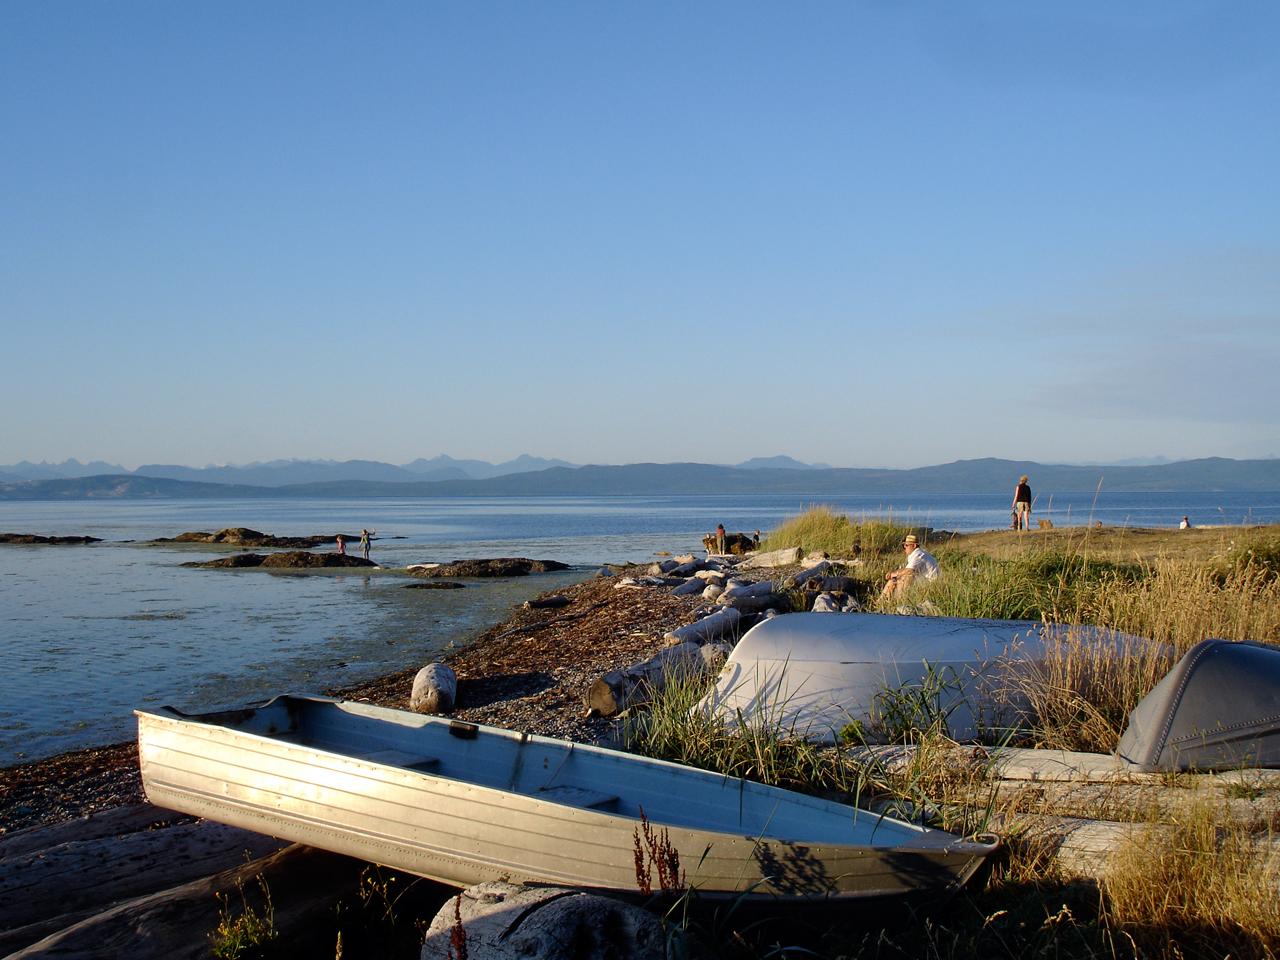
(463, 804)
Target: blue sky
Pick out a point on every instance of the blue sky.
(862, 233)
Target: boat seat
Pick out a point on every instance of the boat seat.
(577, 797)
(399, 758)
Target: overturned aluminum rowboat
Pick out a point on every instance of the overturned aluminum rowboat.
(462, 804)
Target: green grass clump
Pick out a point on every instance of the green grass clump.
(822, 529)
(250, 931)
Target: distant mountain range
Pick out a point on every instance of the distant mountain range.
(648, 479)
(282, 473)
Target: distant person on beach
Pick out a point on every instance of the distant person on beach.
(364, 541)
(1185, 524)
(919, 563)
(342, 545)
(720, 535)
(1022, 503)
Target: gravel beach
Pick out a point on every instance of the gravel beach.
(529, 673)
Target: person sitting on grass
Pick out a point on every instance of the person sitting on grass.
(919, 563)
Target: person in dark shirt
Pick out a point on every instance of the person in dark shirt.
(1022, 503)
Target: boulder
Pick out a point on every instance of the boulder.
(435, 689)
(248, 537)
(497, 567)
(735, 544)
(504, 921)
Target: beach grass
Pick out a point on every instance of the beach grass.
(1195, 880)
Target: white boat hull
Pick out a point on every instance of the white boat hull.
(465, 804)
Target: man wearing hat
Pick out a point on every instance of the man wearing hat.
(919, 563)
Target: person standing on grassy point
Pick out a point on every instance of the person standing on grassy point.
(919, 562)
(1022, 503)
(1185, 524)
(720, 535)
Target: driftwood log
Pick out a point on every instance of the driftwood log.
(819, 569)
(618, 690)
(547, 603)
(689, 587)
(722, 623)
(435, 689)
(786, 557)
(175, 924)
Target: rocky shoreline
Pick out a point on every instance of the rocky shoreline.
(530, 672)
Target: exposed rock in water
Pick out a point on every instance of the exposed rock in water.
(436, 585)
(294, 560)
(499, 567)
(736, 544)
(246, 537)
(26, 538)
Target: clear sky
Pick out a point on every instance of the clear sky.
(865, 233)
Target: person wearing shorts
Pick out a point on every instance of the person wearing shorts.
(1022, 503)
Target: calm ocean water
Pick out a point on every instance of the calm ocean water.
(93, 632)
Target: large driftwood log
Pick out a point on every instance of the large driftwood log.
(689, 587)
(722, 623)
(174, 924)
(785, 557)
(737, 588)
(74, 874)
(618, 690)
(503, 921)
(547, 603)
(819, 569)
(757, 603)
(435, 689)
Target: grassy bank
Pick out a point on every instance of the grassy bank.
(1194, 881)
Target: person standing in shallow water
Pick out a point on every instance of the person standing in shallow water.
(1022, 503)
(342, 545)
(364, 541)
(720, 535)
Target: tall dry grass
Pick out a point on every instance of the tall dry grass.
(1197, 887)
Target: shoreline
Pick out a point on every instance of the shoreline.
(530, 672)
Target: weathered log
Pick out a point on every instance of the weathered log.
(618, 690)
(661, 567)
(175, 924)
(503, 921)
(711, 576)
(689, 587)
(714, 655)
(712, 591)
(774, 558)
(547, 603)
(819, 569)
(755, 602)
(435, 689)
(737, 588)
(74, 874)
(719, 624)
(687, 569)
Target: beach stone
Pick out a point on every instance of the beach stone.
(712, 591)
(504, 921)
(435, 688)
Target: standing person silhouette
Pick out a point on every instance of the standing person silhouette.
(720, 535)
(1022, 503)
(364, 541)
